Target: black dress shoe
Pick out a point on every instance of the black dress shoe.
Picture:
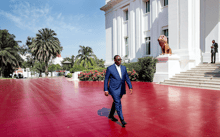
(112, 118)
(123, 123)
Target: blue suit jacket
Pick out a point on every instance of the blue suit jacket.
(117, 84)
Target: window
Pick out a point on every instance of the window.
(126, 47)
(126, 13)
(165, 2)
(147, 40)
(148, 6)
(165, 32)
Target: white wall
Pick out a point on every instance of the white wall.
(138, 26)
(209, 27)
(192, 25)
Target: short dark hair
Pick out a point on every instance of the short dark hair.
(115, 56)
(213, 40)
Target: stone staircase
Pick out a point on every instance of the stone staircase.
(206, 76)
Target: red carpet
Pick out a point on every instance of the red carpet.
(57, 107)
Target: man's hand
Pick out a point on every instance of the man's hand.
(106, 93)
(130, 90)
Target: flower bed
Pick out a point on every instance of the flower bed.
(133, 75)
(95, 75)
(92, 75)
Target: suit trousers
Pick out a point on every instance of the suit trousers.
(213, 55)
(116, 105)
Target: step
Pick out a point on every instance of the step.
(203, 71)
(198, 72)
(199, 82)
(195, 76)
(190, 74)
(191, 84)
(211, 88)
(197, 79)
(205, 68)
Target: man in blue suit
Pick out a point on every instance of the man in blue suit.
(118, 75)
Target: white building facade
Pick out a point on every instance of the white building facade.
(133, 27)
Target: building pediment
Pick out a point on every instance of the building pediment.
(110, 5)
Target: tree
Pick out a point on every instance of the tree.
(45, 46)
(58, 67)
(9, 52)
(85, 54)
(52, 68)
(38, 67)
(100, 62)
(70, 59)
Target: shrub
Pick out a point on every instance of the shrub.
(77, 68)
(133, 76)
(146, 68)
(61, 74)
(95, 75)
(131, 66)
(92, 75)
(69, 75)
(97, 69)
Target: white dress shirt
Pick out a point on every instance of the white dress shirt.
(119, 69)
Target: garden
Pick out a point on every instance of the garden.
(143, 70)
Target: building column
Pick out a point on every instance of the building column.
(132, 31)
(142, 39)
(194, 30)
(138, 29)
(173, 23)
(115, 36)
(109, 38)
(196, 23)
(202, 26)
(119, 32)
(218, 40)
(154, 26)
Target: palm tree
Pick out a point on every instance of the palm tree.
(45, 46)
(85, 54)
(9, 49)
(72, 60)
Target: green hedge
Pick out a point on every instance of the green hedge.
(145, 67)
(77, 68)
(131, 66)
(69, 75)
(96, 69)
(143, 70)
(61, 74)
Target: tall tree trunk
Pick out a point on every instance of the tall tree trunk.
(1, 69)
(46, 69)
(1, 74)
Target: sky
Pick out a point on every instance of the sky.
(76, 22)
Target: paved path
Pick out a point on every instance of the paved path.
(58, 107)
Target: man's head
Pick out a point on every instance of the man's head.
(213, 41)
(117, 60)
